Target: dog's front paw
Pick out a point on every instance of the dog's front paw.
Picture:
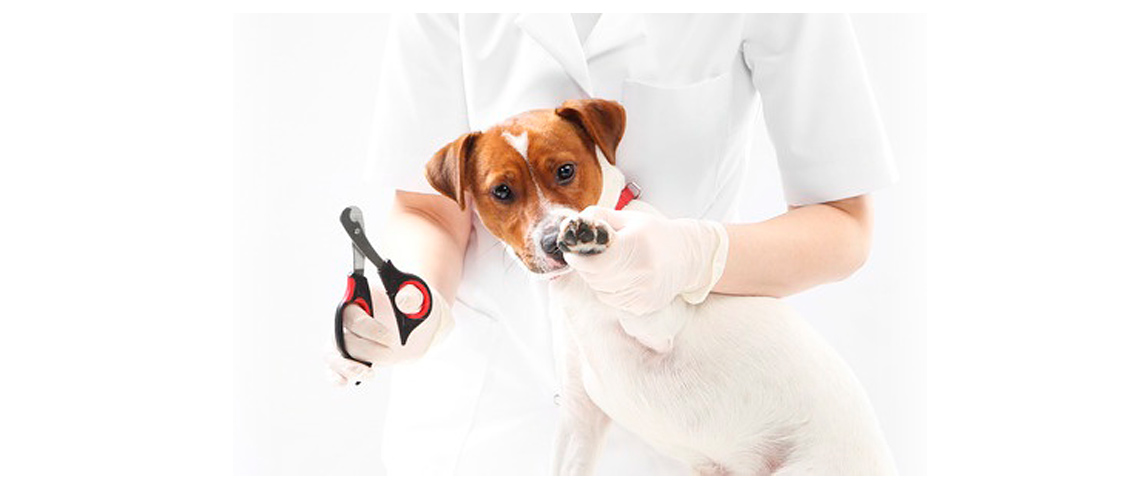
(584, 236)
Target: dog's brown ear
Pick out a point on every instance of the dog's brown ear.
(448, 171)
(603, 121)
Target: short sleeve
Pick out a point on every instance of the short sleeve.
(818, 106)
(421, 104)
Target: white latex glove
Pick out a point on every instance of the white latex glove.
(652, 259)
(376, 340)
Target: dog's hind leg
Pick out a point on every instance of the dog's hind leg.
(582, 426)
(710, 468)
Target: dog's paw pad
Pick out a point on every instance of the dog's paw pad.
(583, 236)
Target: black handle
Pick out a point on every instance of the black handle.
(357, 293)
(396, 280)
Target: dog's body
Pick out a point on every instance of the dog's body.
(734, 385)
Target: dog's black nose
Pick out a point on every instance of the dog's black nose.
(550, 243)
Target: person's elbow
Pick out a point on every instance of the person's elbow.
(856, 225)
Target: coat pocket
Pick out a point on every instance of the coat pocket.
(674, 142)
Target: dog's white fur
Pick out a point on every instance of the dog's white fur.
(520, 143)
(735, 385)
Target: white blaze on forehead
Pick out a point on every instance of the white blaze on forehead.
(520, 143)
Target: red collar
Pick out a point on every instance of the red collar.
(631, 192)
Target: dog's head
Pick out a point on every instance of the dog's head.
(526, 174)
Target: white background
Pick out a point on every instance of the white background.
(117, 200)
(305, 86)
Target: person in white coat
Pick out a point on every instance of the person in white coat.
(480, 396)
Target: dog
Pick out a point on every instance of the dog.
(732, 386)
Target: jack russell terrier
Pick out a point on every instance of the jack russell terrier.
(734, 385)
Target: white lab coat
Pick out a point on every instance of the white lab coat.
(483, 400)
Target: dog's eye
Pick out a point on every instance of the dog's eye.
(565, 173)
(502, 192)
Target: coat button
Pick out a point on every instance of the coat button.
(557, 399)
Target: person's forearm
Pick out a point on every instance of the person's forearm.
(802, 248)
(427, 235)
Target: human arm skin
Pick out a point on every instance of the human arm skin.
(804, 247)
(426, 234)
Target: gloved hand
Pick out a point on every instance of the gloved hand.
(376, 340)
(652, 259)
